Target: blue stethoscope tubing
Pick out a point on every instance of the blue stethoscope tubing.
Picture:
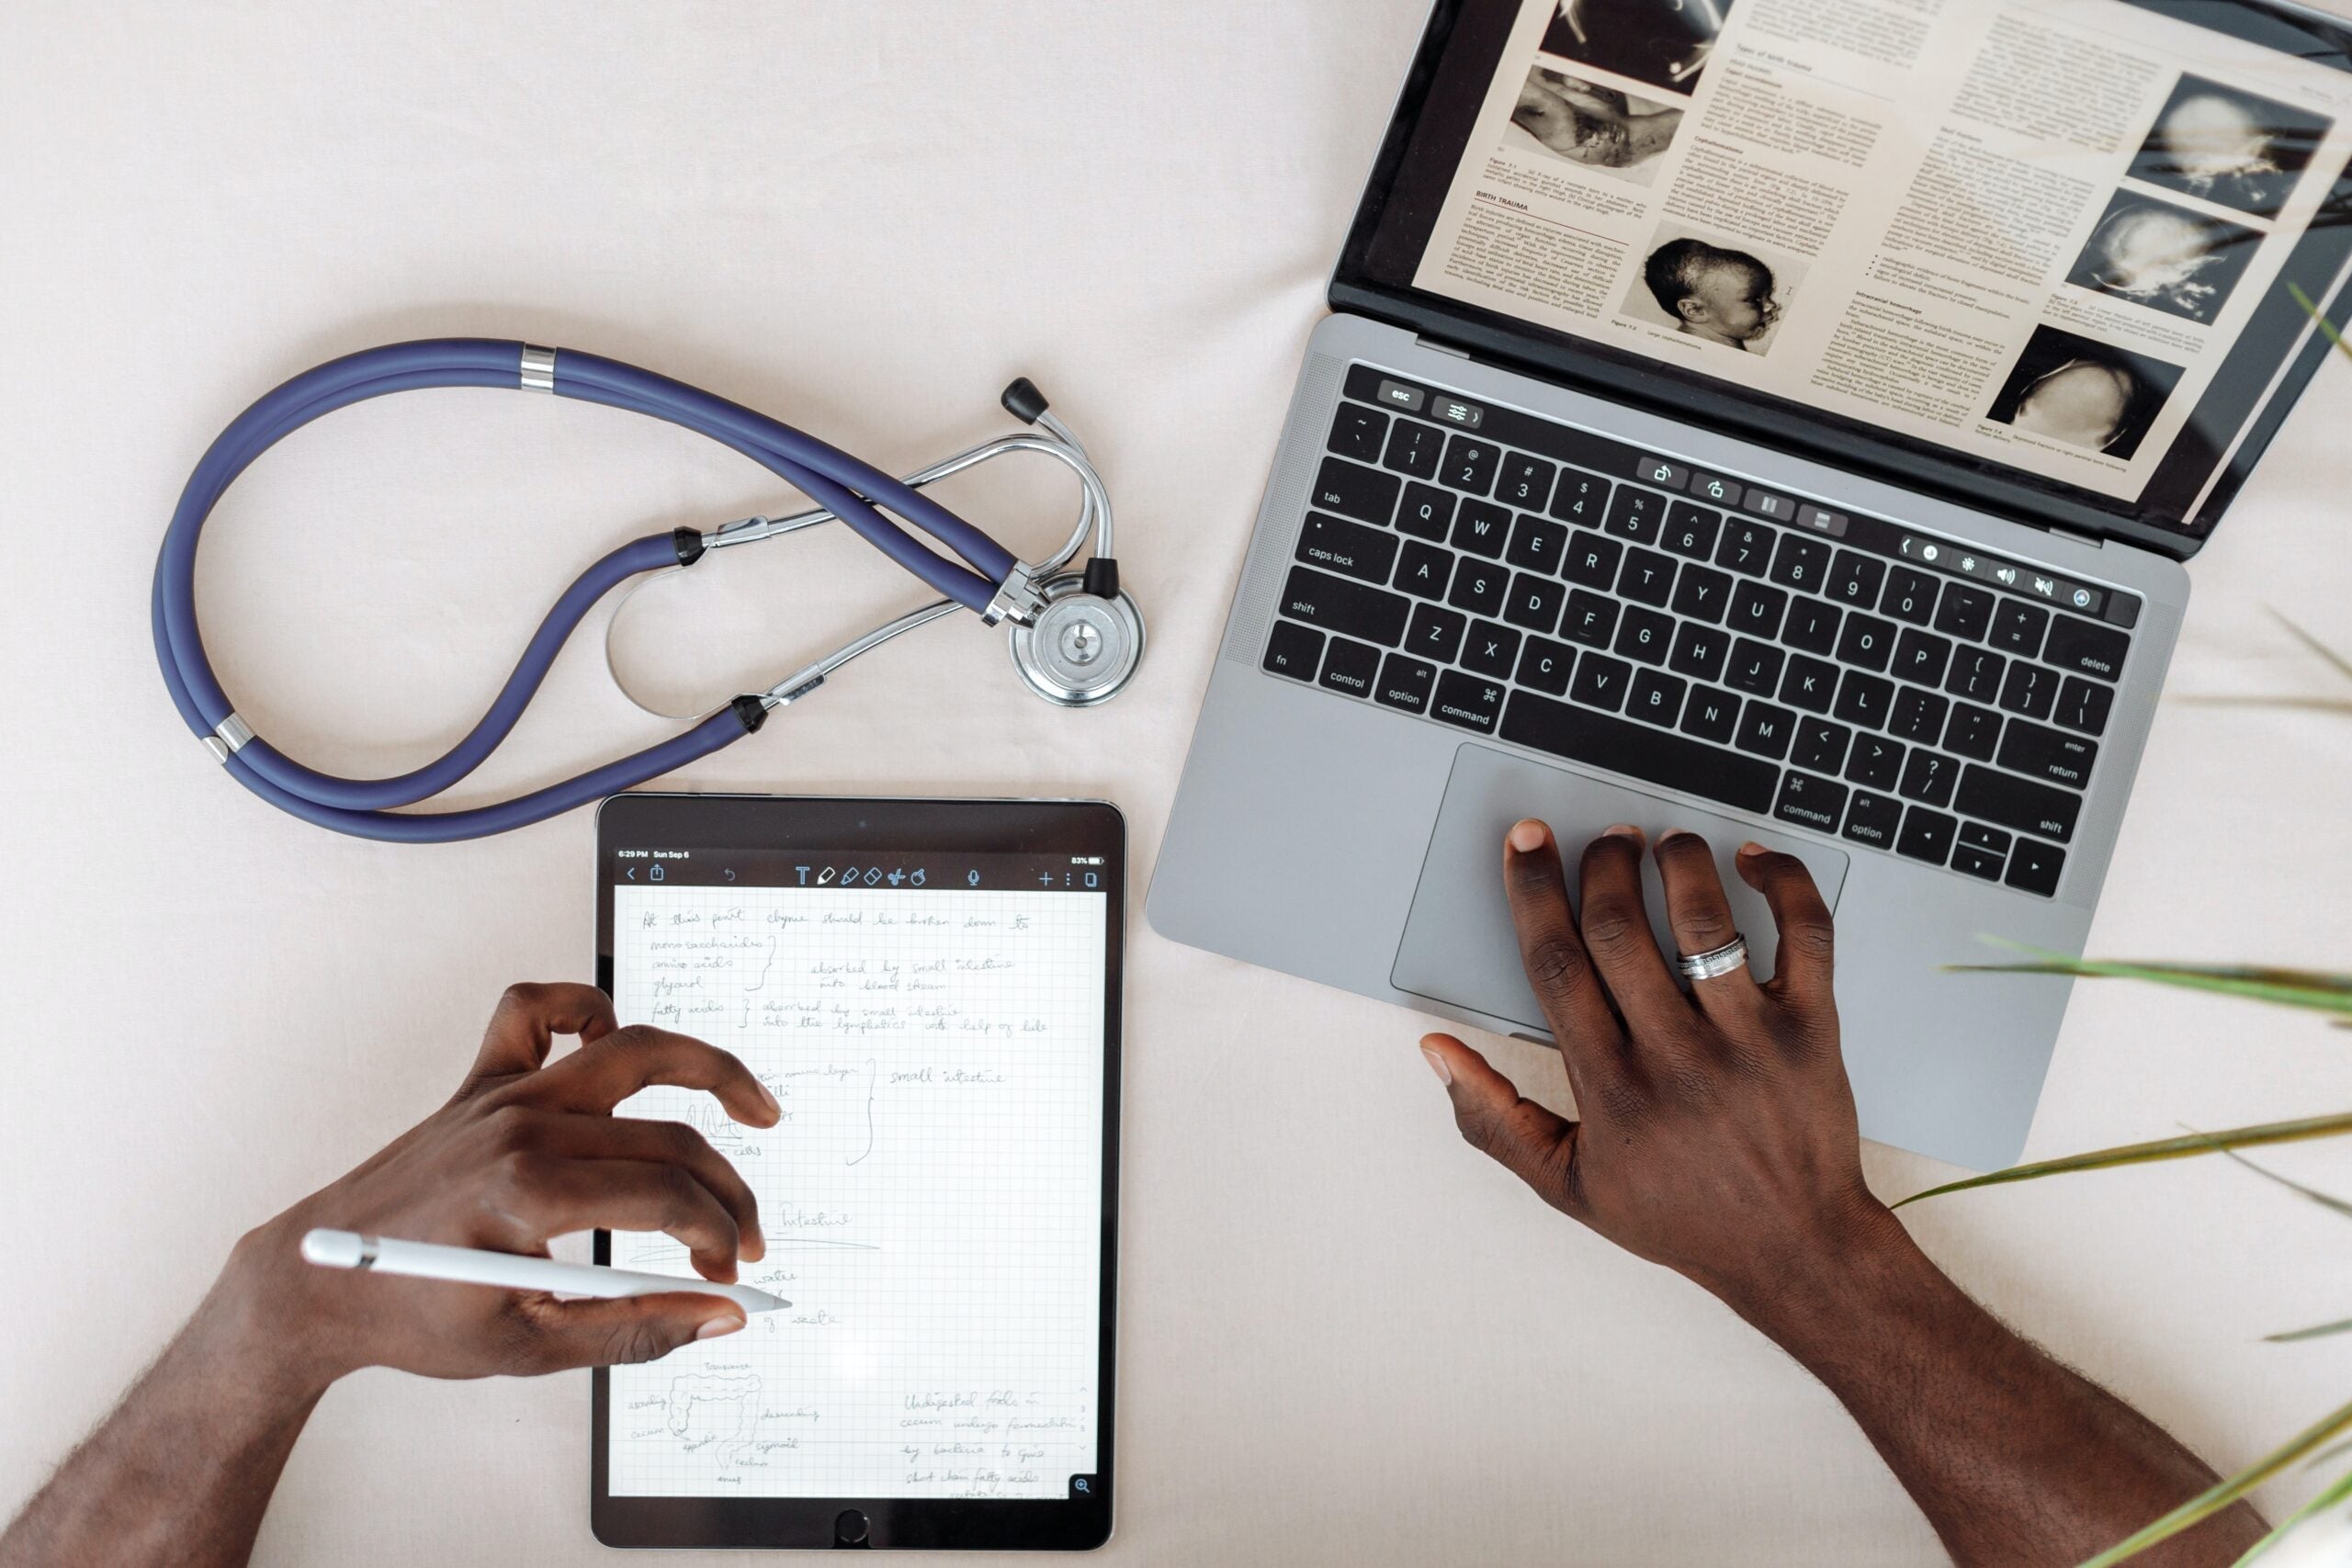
(849, 488)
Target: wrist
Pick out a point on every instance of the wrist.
(257, 1320)
(1858, 1267)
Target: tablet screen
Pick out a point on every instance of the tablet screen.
(932, 1021)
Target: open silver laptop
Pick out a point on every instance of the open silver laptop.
(1778, 430)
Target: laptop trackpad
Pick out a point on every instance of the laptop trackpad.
(1459, 947)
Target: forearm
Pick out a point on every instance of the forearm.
(182, 1469)
(2014, 1459)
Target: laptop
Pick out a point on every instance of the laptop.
(1782, 419)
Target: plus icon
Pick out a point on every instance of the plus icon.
(1044, 879)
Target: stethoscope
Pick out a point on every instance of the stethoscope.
(1075, 639)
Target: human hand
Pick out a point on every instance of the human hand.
(522, 1153)
(1717, 1133)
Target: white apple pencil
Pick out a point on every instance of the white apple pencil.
(465, 1266)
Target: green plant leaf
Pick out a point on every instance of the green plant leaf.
(2318, 989)
(2325, 1200)
(2331, 1495)
(2342, 665)
(2320, 317)
(2185, 1147)
(2317, 1331)
(2222, 1493)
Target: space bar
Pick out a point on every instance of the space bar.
(1622, 747)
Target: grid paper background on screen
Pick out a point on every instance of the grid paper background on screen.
(932, 1199)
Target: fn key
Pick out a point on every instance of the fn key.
(1292, 651)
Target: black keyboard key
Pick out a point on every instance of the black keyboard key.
(2030, 690)
(1601, 681)
(1351, 667)
(1711, 714)
(2017, 627)
(1927, 835)
(1701, 592)
(1875, 762)
(1873, 818)
(1592, 560)
(1972, 733)
(2086, 648)
(1921, 656)
(1855, 579)
(1909, 596)
(1657, 697)
(1747, 547)
(2020, 804)
(1536, 543)
(1424, 571)
(2083, 705)
(1766, 730)
(1973, 861)
(1524, 480)
(1491, 649)
(1415, 448)
(1478, 586)
(1436, 634)
(1810, 683)
(1867, 641)
(1469, 464)
(1645, 635)
(1292, 651)
(2034, 867)
(1638, 751)
(1977, 836)
(1811, 626)
(1336, 605)
(1358, 432)
(1590, 619)
(1647, 578)
(1368, 555)
(1975, 674)
(1406, 683)
(1545, 665)
(1427, 513)
(1801, 562)
(1691, 530)
(1756, 667)
(2051, 754)
(1865, 700)
(1353, 490)
(1811, 802)
(1699, 652)
(1581, 498)
(1820, 746)
(1482, 527)
(1918, 717)
(1965, 611)
(1756, 609)
(1469, 702)
(1636, 514)
(1534, 602)
(1928, 778)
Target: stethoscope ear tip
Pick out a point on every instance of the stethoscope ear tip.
(1083, 647)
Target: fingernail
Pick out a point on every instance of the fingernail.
(753, 1245)
(1676, 833)
(767, 1098)
(1751, 848)
(719, 1326)
(1622, 830)
(1437, 1065)
(1527, 835)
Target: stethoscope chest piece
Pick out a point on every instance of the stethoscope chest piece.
(1082, 648)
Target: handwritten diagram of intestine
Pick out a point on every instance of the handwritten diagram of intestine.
(715, 1409)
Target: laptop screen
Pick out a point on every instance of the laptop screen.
(2045, 254)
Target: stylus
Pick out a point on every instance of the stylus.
(464, 1265)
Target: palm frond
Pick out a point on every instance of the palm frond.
(2320, 991)
(2330, 1495)
(2187, 1147)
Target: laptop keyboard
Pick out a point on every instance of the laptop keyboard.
(1579, 597)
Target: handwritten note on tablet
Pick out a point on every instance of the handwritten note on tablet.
(931, 1198)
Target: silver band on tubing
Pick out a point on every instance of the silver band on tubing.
(229, 737)
(538, 369)
(1716, 962)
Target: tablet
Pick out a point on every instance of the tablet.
(931, 988)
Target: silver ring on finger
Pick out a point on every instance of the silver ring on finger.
(1715, 962)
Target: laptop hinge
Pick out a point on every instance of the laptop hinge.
(1442, 346)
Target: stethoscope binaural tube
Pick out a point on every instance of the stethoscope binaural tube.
(991, 581)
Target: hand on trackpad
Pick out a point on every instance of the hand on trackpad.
(1459, 946)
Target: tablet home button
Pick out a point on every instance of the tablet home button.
(850, 1528)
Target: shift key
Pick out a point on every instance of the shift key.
(1351, 609)
(2021, 804)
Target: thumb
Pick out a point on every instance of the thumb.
(1522, 1137)
(631, 1328)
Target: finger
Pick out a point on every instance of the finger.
(600, 1076)
(1524, 1138)
(1615, 924)
(550, 1196)
(564, 1335)
(1559, 969)
(527, 1020)
(1801, 973)
(655, 1142)
(1699, 917)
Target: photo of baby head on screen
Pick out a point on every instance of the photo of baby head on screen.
(1582, 122)
(2155, 253)
(1713, 291)
(2082, 393)
(2224, 145)
(1662, 42)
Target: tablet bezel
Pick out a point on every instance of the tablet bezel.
(719, 822)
